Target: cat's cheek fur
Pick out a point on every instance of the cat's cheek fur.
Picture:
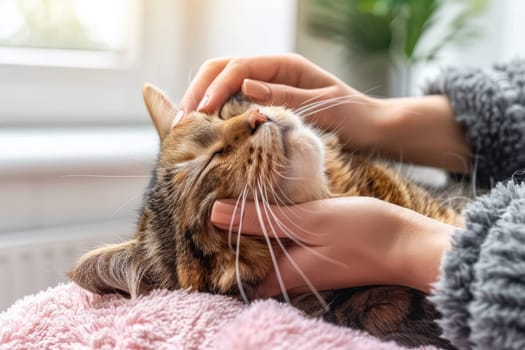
(304, 178)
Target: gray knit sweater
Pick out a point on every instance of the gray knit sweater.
(481, 292)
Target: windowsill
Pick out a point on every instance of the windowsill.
(62, 58)
(55, 150)
(53, 177)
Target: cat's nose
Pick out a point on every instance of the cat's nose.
(256, 118)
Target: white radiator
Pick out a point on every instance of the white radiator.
(35, 260)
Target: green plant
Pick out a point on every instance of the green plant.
(393, 28)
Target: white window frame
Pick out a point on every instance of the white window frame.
(78, 58)
(62, 87)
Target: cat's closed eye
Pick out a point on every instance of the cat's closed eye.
(217, 153)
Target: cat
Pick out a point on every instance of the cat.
(267, 153)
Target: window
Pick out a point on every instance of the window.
(93, 33)
(62, 24)
(70, 62)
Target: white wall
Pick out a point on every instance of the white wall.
(513, 43)
(235, 28)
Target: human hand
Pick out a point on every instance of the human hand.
(293, 81)
(344, 242)
(420, 130)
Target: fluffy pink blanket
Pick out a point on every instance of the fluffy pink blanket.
(68, 317)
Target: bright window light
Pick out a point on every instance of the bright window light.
(98, 25)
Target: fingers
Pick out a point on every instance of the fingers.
(258, 220)
(206, 75)
(224, 213)
(227, 83)
(281, 95)
(219, 79)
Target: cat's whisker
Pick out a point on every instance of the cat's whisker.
(106, 176)
(336, 130)
(327, 104)
(129, 200)
(280, 202)
(242, 195)
(464, 162)
(278, 166)
(313, 289)
(457, 198)
(324, 108)
(238, 252)
(309, 101)
(269, 244)
(316, 104)
(292, 236)
(323, 103)
(287, 201)
(333, 105)
(293, 178)
(197, 176)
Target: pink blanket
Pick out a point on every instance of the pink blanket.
(67, 317)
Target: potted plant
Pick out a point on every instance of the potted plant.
(394, 33)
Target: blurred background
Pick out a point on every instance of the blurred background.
(76, 144)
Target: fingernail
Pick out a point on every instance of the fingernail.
(203, 102)
(256, 90)
(221, 215)
(178, 118)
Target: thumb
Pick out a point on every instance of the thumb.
(226, 214)
(279, 94)
(258, 218)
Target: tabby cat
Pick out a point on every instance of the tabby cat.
(266, 153)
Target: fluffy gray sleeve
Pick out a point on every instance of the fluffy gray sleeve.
(481, 291)
(491, 107)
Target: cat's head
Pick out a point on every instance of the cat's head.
(266, 150)
(243, 151)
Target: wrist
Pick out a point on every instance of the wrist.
(372, 133)
(423, 130)
(391, 127)
(422, 243)
(387, 116)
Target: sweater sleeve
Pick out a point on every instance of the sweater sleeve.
(491, 107)
(481, 291)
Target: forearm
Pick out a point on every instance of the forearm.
(423, 130)
(417, 252)
(490, 105)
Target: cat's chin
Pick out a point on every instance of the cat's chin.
(304, 177)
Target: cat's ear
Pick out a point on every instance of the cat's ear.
(160, 108)
(110, 269)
